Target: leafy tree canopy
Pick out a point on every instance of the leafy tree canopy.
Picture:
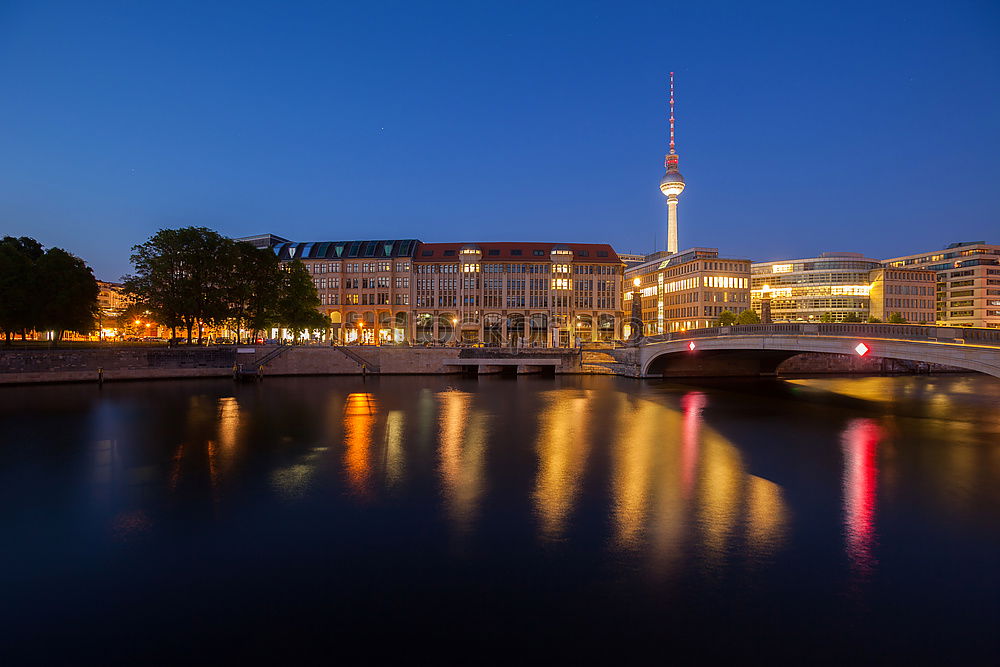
(44, 290)
(748, 316)
(726, 318)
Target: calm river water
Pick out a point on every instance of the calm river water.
(500, 520)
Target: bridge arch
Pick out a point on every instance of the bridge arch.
(753, 350)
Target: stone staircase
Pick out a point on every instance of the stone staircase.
(598, 362)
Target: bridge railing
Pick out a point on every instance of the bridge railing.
(915, 332)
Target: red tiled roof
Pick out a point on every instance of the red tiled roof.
(503, 252)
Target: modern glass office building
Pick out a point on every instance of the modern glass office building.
(839, 286)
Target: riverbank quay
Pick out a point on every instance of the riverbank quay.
(109, 364)
(114, 363)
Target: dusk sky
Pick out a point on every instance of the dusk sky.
(801, 127)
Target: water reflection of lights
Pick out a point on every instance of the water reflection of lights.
(692, 404)
(359, 424)
(229, 423)
(395, 423)
(292, 482)
(674, 474)
(859, 442)
(562, 446)
(463, 434)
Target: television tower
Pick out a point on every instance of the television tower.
(672, 183)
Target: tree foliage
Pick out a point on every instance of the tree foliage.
(68, 293)
(44, 290)
(896, 318)
(193, 276)
(748, 316)
(726, 318)
(852, 317)
(298, 302)
(181, 277)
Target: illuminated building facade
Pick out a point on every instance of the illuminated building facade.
(111, 299)
(906, 292)
(689, 289)
(968, 282)
(838, 287)
(516, 294)
(364, 286)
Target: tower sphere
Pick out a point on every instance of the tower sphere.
(672, 183)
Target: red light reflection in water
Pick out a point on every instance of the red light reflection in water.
(692, 404)
(859, 442)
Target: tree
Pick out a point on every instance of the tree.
(181, 276)
(874, 320)
(726, 318)
(852, 317)
(826, 317)
(68, 295)
(18, 284)
(40, 289)
(896, 318)
(748, 316)
(298, 302)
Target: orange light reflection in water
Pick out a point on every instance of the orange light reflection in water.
(359, 425)
(859, 442)
(562, 447)
(463, 435)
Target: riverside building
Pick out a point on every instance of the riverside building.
(364, 286)
(841, 286)
(518, 294)
(687, 290)
(968, 282)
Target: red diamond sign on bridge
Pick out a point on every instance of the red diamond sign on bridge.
(691, 346)
(861, 349)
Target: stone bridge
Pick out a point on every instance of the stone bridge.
(759, 348)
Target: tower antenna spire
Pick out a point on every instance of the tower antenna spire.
(671, 113)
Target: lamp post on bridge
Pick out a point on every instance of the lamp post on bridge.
(765, 304)
(635, 322)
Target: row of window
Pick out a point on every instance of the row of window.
(917, 290)
(519, 252)
(376, 299)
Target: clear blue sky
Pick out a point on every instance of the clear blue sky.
(802, 126)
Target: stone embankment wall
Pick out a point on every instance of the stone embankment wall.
(86, 365)
(24, 366)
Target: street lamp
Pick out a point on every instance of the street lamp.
(636, 325)
(361, 329)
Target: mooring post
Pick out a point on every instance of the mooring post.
(100, 377)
